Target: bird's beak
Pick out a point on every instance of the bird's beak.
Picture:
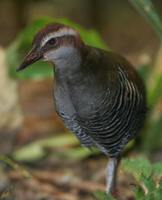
(33, 56)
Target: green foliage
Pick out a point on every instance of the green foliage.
(22, 45)
(100, 195)
(154, 193)
(138, 167)
(38, 149)
(148, 177)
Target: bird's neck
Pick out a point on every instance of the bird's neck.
(68, 63)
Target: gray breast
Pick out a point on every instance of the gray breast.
(67, 112)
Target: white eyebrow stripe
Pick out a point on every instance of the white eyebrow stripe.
(60, 33)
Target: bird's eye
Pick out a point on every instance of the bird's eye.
(52, 41)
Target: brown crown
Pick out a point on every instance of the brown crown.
(46, 30)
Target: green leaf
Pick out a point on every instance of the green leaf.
(139, 193)
(146, 174)
(148, 182)
(157, 169)
(37, 149)
(137, 167)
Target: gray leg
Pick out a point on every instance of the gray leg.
(111, 174)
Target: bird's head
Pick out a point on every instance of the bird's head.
(55, 42)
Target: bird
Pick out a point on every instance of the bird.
(98, 94)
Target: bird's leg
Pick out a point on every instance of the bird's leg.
(111, 175)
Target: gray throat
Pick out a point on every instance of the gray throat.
(67, 64)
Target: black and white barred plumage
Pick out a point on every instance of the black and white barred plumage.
(114, 108)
